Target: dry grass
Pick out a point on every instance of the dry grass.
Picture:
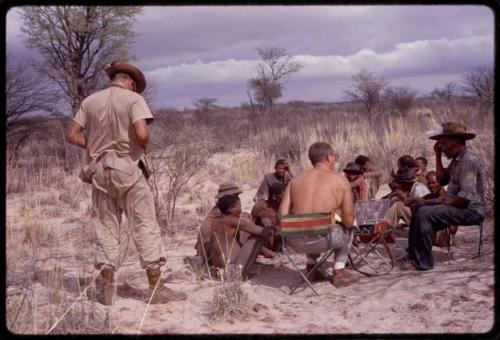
(229, 299)
(44, 193)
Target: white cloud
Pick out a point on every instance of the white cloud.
(423, 57)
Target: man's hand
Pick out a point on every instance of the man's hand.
(438, 149)
(269, 231)
(415, 200)
(75, 135)
(400, 194)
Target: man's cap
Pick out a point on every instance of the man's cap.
(226, 189)
(404, 175)
(134, 72)
(450, 129)
(353, 168)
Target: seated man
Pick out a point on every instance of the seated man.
(464, 201)
(354, 175)
(265, 213)
(406, 191)
(322, 190)
(371, 175)
(219, 237)
(281, 174)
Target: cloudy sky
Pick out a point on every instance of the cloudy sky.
(210, 51)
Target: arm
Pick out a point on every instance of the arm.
(468, 185)
(372, 172)
(75, 135)
(441, 173)
(347, 206)
(363, 192)
(142, 132)
(288, 170)
(285, 202)
(263, 191)
(244, 224)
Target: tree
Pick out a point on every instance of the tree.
(446, 93)
(367, 89)
(76, 43)
(204, 106)
(25, 94)
(275, 68)
(479, 83)
(401, 98)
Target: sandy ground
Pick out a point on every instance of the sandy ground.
(451, 298)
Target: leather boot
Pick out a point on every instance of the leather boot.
(342, 279)
(162, 294)
(106, 288)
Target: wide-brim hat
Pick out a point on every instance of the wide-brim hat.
(226, 189)
(353, 168)
(450, 129)
(134, 72)
(405, 175)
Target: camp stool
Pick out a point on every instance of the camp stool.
(372, 256)
(304, 225)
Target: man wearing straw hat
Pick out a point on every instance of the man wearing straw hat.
(463, 203)
(220, 241)
(116, 122)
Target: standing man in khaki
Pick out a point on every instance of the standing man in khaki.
(116, 121)
(323, 190)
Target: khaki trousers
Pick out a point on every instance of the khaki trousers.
(396, 212)
(114, 192)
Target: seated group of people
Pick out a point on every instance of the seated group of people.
(229, 236)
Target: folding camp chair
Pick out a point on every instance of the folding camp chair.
(370, 253)
(303, 225)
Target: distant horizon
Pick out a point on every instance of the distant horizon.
(210, 51)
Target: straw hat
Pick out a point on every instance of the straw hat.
(450, 129)
(226, 189)
(134, 72)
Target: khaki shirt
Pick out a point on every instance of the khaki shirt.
(109, 116)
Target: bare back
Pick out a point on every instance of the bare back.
(318, 190)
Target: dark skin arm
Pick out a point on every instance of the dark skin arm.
(440, 171)
(75, 135)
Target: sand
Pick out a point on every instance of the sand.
(451, 298)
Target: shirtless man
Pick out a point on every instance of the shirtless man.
(323, 190)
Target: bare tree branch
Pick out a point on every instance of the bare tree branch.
(76, 43)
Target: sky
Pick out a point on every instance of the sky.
(189, 52)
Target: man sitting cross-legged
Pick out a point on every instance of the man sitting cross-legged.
(219, 240)
(265, 213)
(323, 191)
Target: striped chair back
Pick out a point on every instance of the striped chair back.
(300, 225)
